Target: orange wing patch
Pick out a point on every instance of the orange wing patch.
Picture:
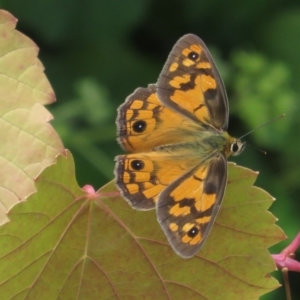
(142, 177)
(194, 101)
(178, 81)
(173, 67)
(144, 123)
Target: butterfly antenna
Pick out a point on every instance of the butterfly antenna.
(255, 148)
(277, 118)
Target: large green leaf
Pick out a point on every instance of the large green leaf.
(63, 243)
(28, 142)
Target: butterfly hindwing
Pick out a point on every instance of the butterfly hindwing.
(187, 208)
(144, 123)
(143, 176)
(191, 84)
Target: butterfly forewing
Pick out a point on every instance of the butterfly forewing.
(191, 84)
(188, 207)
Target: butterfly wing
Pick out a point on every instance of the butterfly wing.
(141, 177)
(187, 208)
(144, 123)
(191, 84)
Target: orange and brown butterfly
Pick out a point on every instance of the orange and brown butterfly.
(176, 131)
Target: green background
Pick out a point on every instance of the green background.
(97, 52)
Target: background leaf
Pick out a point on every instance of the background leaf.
(79, 246)
(28, 142)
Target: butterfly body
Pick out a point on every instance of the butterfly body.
(176, 132)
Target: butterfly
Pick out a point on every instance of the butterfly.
(176, 133)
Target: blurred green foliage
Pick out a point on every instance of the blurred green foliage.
(97, 52)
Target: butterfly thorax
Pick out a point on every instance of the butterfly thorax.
(205, 145)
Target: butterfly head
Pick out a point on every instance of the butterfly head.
(237, 147)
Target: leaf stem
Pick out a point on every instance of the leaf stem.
(285, 273)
